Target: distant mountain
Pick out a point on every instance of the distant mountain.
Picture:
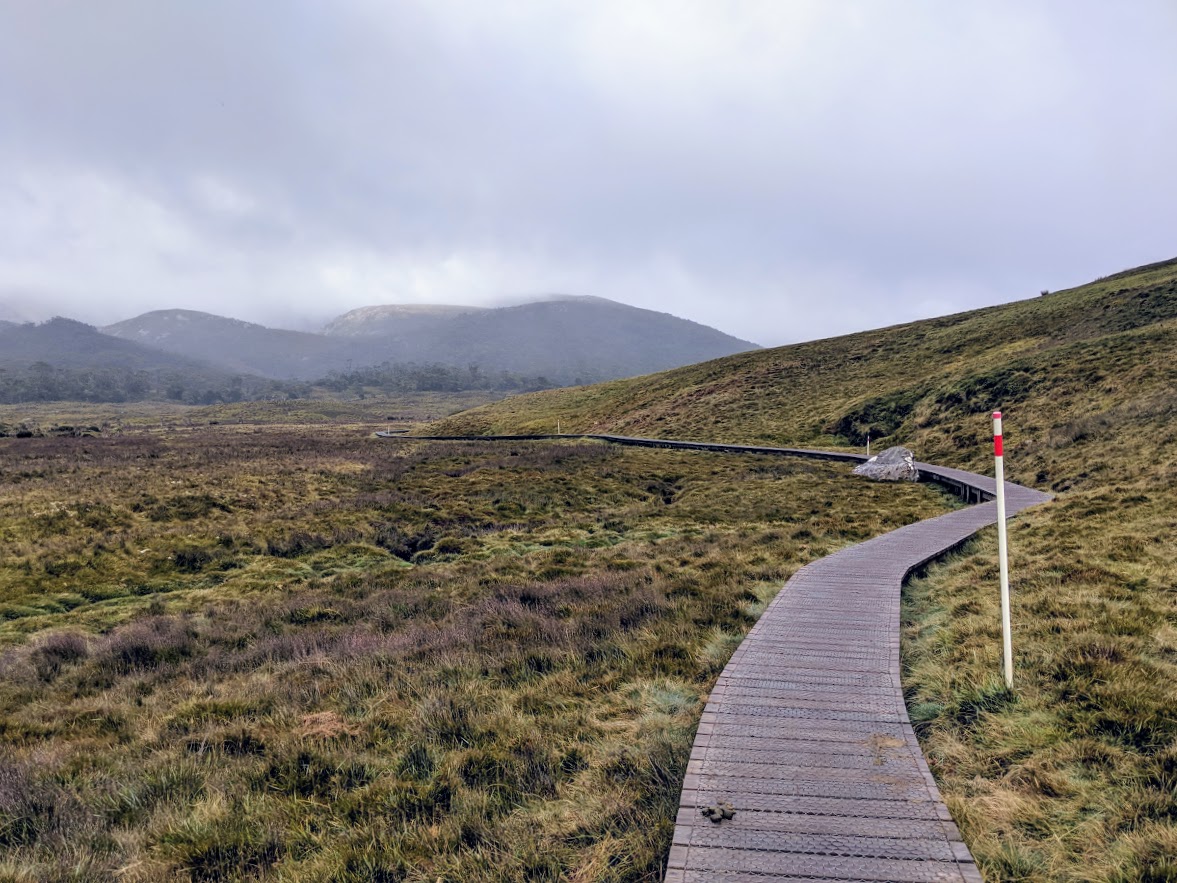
(564, 340)
(1093, 362)
(64, 343)
(63, 359)
(233, 345)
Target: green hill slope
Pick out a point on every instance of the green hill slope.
(1073, 775)
(1095, 361)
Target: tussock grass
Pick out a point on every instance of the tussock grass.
(1073, 775)
(281, 653)
(247, 652)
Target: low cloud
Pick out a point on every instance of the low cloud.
(779, 171)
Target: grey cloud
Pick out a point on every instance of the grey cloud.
(775, 169)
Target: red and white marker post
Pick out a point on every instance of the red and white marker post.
(1002, 554)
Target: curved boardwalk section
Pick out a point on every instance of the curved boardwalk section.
(806, 733)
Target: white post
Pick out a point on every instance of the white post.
(1002, 554)
(868, 445)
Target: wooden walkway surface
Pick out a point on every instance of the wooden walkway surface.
(806, 733)
(807, 736)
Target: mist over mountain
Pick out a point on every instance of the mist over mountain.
(232, 344)
(65, 343)
(394, 319)
(10, 314)
(568, 339)
(564, 340)
(67, 360)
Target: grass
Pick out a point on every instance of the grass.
(1070, 777)
(290, 653)
(1064, 368)
(1073, 775)
(402, 411)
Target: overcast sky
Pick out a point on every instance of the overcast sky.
(781, 170)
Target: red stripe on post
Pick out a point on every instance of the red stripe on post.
(997, 446)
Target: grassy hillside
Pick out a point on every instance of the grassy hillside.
(267, 652)
(1059, 364)
(1073, 776)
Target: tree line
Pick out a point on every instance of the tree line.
(42, 382)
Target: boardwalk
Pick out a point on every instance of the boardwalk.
(807, 736)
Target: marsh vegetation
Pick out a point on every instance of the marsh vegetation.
(272, 652)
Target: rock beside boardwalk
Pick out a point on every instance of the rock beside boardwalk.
(893, 464)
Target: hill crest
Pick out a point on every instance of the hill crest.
(370, 320)
(1051, 363)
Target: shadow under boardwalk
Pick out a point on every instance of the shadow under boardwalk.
(806, 734)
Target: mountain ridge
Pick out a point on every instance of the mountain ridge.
(891, 383)
(63, 359)
(360, 320)
(564, 339)
(233, 344)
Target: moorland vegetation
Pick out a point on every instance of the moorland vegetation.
(270, 651)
